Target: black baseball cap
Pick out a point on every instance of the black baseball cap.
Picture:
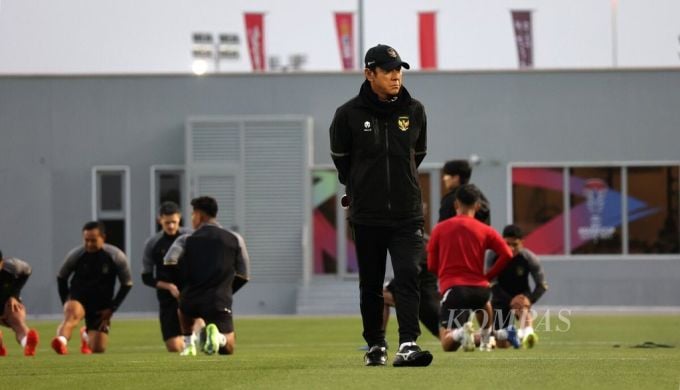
(385, 57)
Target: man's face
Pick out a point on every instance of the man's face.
(385, 83)
(451, 182)
(514, 243)
(93, 240)
(170, 223)
(196, 218)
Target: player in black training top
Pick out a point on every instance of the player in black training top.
(512, 295)
(13, 276)
(165, 279)
(213, 265)
(87, 280)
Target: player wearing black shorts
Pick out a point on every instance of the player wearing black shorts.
(511, 294)
(86, 283)
(165, 279)
(213, 265)
(13, 276)
(456, 254)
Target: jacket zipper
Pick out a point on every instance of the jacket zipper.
(387, 158)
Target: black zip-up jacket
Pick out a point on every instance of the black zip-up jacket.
(377, 148)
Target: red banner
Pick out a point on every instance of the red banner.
(521, 22)
(428, 39)
(255, 38)
(345, 30)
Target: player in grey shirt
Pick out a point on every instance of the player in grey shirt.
(165, 279)
(13, 276)
(512, 295)
(86, 287)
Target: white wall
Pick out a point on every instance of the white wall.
(154, 36)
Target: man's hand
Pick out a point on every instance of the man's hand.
(171, 287)
(520, 302)
(14, 305)
(105, 316)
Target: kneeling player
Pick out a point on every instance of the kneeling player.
(13, 275)
(86, 283)
(456, 255)
(512, 296)
(212, 263)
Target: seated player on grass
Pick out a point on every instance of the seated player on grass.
(13, 276)
(456, 255)
(512, 295)
(213, 265)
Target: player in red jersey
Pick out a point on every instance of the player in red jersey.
(456, 255)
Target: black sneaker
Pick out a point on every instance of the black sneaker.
(376, 356)
(410, 355)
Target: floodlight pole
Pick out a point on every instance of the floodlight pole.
(360, 33)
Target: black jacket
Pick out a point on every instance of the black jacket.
(377, 148)
(447, 209)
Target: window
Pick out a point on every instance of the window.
(624, 209)
(167, 184)
(333, 244)
(595, 210)
(653, 210)
(111, 203)
(538, 208)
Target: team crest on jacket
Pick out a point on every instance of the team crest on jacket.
(403, 123)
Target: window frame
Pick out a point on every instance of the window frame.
(125, 214)
(566, 166)
(154, 172)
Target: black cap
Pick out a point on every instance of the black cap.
(385, 57)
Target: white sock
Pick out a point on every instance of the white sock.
(486, 334)
(222, 339)
(528, 330)
(23, 341)
(502, 334)
(188, 340)
(457, 334)
(63, 340)
(84, 336)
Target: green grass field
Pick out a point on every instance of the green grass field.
(314, 353)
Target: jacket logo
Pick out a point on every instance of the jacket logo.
(403, 123)
(367, 126)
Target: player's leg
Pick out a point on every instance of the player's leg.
(15, 317)
(428, 311)
(220, 337)
(406, 246)
(485, 320)
(522, 307)
(74, 312)
(3, 350)
(506, 335)
(371, 248)
(98, 340)
(170, 326)
(406, 250)
(453, 320)
(186, 322)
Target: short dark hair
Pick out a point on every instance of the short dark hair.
(468, 194)
(0, 255)
(461, 168)
(169, 208)
(95, 225)
(512, 231)
(205, 204)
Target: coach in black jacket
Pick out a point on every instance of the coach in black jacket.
(377, 142)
